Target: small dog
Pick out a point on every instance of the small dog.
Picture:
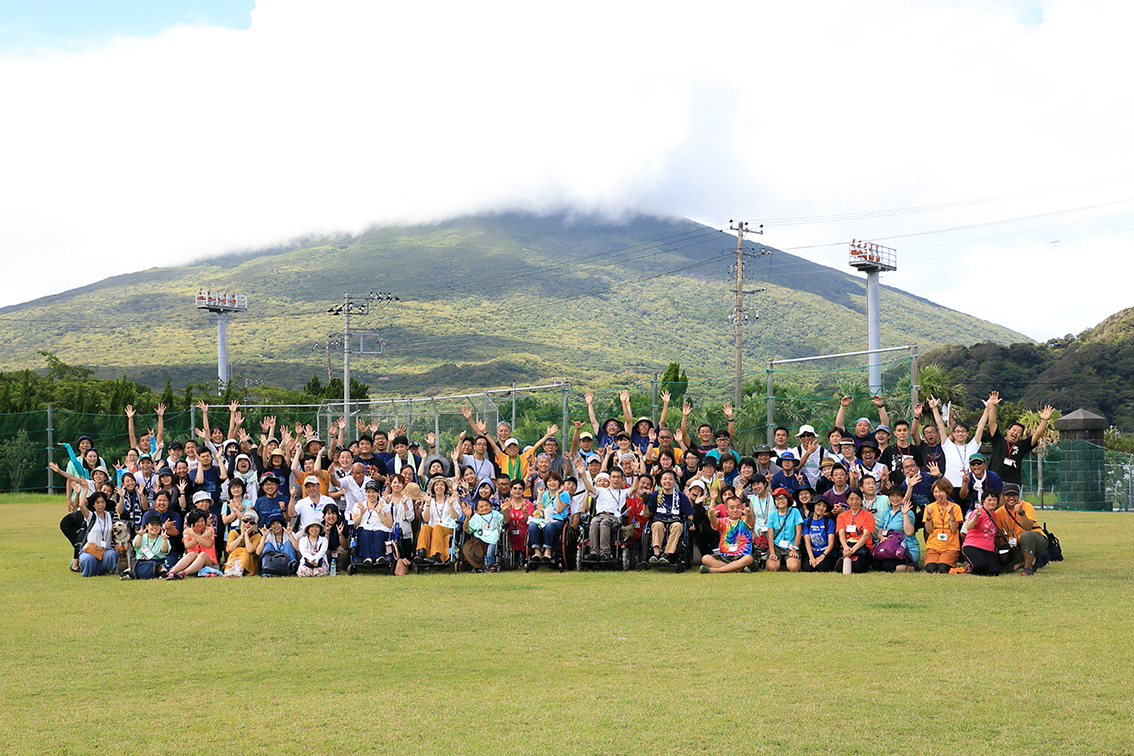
(124, 547)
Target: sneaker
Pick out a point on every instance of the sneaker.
(125, 576)
(591, 556)
(663, 559)
(1028, 571)
(705, 569)
(606, 556)
(746, 568)
(368, 561)
(654, 559)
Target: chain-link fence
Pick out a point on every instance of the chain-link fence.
(29, 440)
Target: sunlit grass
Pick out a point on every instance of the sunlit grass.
(550, 663)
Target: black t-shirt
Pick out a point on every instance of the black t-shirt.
(1006, 458)
(931, 454)
(893, 456)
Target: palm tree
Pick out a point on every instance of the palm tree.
(1031, 419)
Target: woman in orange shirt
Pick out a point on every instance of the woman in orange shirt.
(943, 521)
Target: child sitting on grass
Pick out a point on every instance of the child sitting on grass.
(735, 553)
(200, 551)
(151, 546)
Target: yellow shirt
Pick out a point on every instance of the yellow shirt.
(937, 523)
(1010, 523)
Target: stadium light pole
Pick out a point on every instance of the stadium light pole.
(221, 303)
(872, 259)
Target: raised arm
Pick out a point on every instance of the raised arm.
(205, 422)
(78, 481)
(990, 406)
(941, 429)
(731, 417)
(130, 429)
(159, 429)
(1045, 415)
(233, 420)
(883, 415)
(581, 474)
(589, 398)
(627, 415)
(979, 432)
(841, 415)
(916, 421)
(682, 432)
(574, 449)
(665, 397)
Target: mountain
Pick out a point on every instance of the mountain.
(482, 301)
(1090, 371)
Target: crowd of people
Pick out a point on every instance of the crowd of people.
(912, 496)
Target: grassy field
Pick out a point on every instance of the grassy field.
(588, 664)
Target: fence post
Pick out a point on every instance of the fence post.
(50, 450)
(654, 400)
(436, 426)
(513, 425)
(409, 417)
(771, 405)
(566, 422)
(192, 419)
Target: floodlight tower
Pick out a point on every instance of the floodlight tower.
(872, 259)
(222, 303)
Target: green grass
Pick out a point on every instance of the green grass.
(548, 663)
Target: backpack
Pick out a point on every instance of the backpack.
(1054, 550)
(275, 563)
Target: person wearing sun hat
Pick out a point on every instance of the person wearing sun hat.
(313, 551)
(789, 477)
(242, 543)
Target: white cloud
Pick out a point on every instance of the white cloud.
(339, 115)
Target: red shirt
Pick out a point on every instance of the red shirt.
(856, 525)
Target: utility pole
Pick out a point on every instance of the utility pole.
(346, 309)
(739, 316)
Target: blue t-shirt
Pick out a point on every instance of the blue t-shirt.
(266, 507)
(890, 520)
(781, 527)
(821, 530)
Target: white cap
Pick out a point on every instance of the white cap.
(511, 441)
(202, 496)
(805, 429)
(310, 479)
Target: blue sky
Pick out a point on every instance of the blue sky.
(27, 24)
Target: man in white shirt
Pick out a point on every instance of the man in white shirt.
(610, 501)
(309, 509)
(955, 445)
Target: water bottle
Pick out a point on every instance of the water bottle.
(334, 564)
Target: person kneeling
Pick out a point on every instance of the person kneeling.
(735, 553)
